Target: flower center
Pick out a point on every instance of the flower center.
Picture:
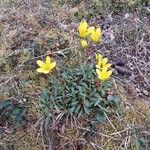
(46, 66)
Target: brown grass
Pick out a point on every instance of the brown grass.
(30, 30)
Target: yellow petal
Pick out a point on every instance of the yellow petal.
(92, 36)
(107, 66)
(109, 73)
(98, 66)
(84, 25)
(98, 71)
(40, 63)
(99, 59)
(45, 71)
(52, 65)
(83, 29)
(101, 76)
(48, 60)
(96, 35)
(104, 61)
(41, 70)
(84, 43)
(99, 34)
(99, 56)
(91, 30)
(98, 31)
(104, 69)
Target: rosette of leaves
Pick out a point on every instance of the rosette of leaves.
(76, 91)
(13, 113)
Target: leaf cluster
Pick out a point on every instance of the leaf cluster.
(76, 91)
(13, 113)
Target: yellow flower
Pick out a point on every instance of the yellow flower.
(103, 74)
(99, 59)
(95, 34)
(102, 62)
(47, 66)
(102, 67)
(83, 29)
(90, 30)
(84, 43)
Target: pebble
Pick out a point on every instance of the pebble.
(146, 92)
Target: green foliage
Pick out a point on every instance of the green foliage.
(13, 112)
(76, 91)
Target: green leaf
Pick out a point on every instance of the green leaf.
(42, 100)
(74, 103)
(80, 113)
(75, 90)
(87, 110)
(80, 89)
(4, 104)
(88, 103)
(19, 114)
(45, 94)
(113, 99)
(103, 92)
(76, 14)
(97, 102)
(56, 107)
(100, 116)
(108, 85)
(72, 109)
(84, 85)
(77, 109)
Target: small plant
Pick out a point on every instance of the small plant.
(84, 43)
(95, 34)
(102, 68)
(83, 29)
(77, 91)
(47, 66)
(13, 113)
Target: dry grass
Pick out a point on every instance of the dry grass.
(30, 30)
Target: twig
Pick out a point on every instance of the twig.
(101, 134)
(119, 132)
(94, 145)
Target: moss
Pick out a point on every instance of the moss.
(22, 140)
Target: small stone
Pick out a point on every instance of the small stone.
(123, 70)
(24, 100)
(120, 62)
(148, 10)
(126, 16)
(127, 107)
(146, 92)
